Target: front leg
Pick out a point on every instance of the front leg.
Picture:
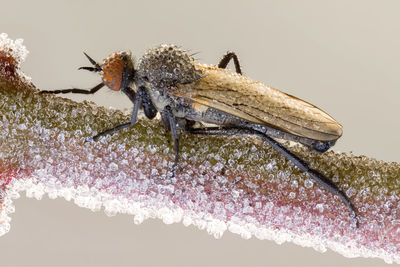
(137, 103)
(149, 109)
(75, 90)
(96, 68)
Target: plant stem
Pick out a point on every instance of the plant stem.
(234, 183)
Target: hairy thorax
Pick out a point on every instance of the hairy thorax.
(166, 65)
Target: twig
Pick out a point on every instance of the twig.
(239, 184)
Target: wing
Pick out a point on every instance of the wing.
(256, 102)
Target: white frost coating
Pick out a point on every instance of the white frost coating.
(148, 207)
(159, 206)
(17, 50)
(93, 199)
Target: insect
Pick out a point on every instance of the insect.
(168, 81)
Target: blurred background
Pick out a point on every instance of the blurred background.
(342, 56)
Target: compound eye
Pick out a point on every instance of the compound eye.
(113, 67)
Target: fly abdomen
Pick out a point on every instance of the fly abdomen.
(201, 113)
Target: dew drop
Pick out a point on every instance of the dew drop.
(308, 183)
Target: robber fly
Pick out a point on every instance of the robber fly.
(168, 81)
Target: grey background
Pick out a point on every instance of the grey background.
(342, 56)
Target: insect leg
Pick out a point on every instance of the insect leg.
(301, 164)
(75, 90)
(138, 101)
(130, 93)
(225, 60)
(169, 120)
(149, 109)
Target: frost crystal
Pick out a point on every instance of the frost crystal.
(15, 48)
(12, 54)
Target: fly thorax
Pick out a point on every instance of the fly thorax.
(167, 65)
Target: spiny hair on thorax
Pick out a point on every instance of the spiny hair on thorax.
(166, 65)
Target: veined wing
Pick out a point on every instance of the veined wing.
(256, 102)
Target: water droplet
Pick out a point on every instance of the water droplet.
(308, 183)
(113, 166)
